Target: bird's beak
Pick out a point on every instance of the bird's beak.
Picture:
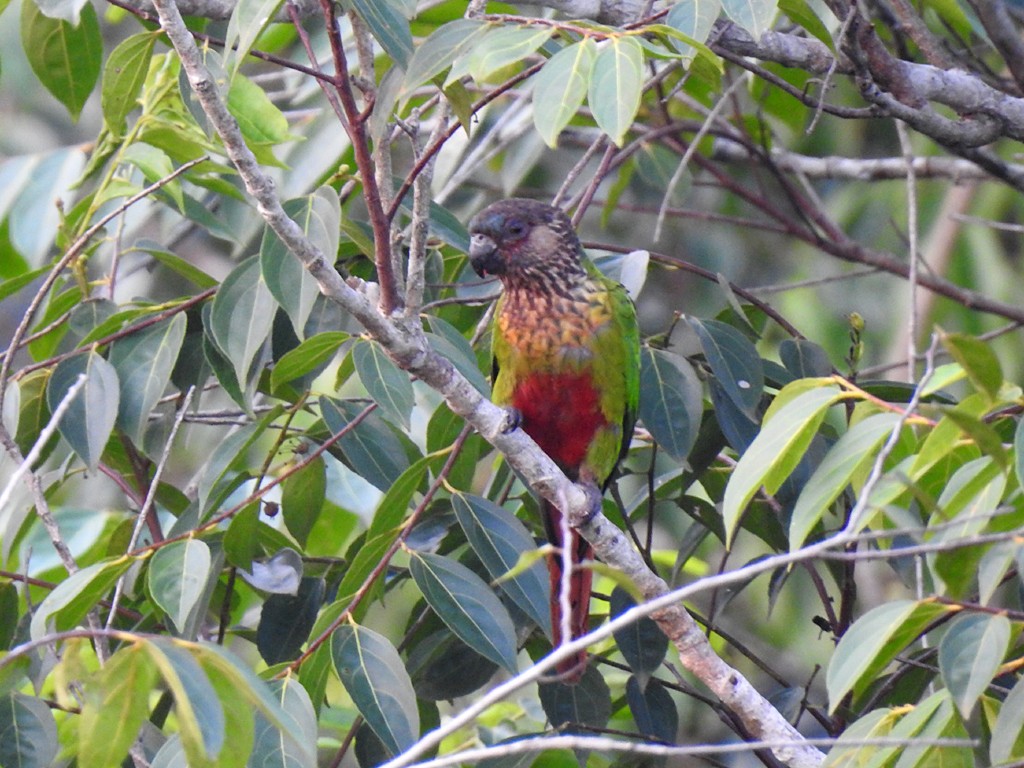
(483, 255)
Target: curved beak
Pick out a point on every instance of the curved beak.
(483, 255)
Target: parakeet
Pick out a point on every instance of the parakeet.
(566, 352)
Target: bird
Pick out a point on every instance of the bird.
(566, 364)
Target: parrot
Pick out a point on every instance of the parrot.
(566, 364)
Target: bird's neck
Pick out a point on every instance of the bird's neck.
(551, 282)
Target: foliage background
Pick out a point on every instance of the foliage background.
(934, 645)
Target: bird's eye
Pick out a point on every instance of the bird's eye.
(516, 228)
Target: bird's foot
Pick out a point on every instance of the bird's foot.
(594, 496)
(513, 420)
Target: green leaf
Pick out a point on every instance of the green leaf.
(302, 498)
(587, 703)
(734, 361)
(755, 16)
(144, 361)
(872, 642)
(978, 360)
(801, 12)
(116, 706)
(308, 356)
(560, 87)
(242, 539)
(261, 122)
(66, 606)
(319, 216)
(695, 18)
(804, 359)
(177, 578)
(28, 732)
(616, 86)
(459, 354)
(851, 453)
(776, 450)
(223, 468)
(90, 416)
(389, 26)
(387, 384)
(970, 654)
(242, 316)
(66, 58)
(642, 644)
(248, 19)
(200, 715)
(176, 264)
(123, 76)
(371, 448)
(653, 710)
(499, 539)
(394, 504)
(271, 743)
(504, 46)
(286, 620)
(372, 673)
(435, 54)
(671, 401)
(1006, 733)
(467, 605)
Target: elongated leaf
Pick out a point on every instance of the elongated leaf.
(177, 578)
(694, 19)
(642, 644)
(776, 451)
(302, 498)
(291, 285)
(65, 56)
(371, 449)
(373, 674)
(272, 745)
(459, 353)
(734, 361)
(978, 360)
(1009, 727)
(970, 654)
(28, 732)
(258, 694)
(286, 620)
(74, 597)
(388, 385)
(389, 26)
(467, 605)
(755, 16)
(872, 642)
(242, 316)
(499, 540)
(504, 46)
(248, 19)
(116, 707)
(200, 715)
(616, 85)
(653, 710)
(435, 54)
(391, 510)
(90, 417)
(144, 361)
(222, 471)
(123, 76)
(671, 401)
(846, 458)
(587, 703)
(308, 356)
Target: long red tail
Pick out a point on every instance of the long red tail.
(580, 584)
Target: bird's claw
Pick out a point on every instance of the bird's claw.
(594, 496)
(513, 420)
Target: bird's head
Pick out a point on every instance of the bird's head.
(519, 239)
